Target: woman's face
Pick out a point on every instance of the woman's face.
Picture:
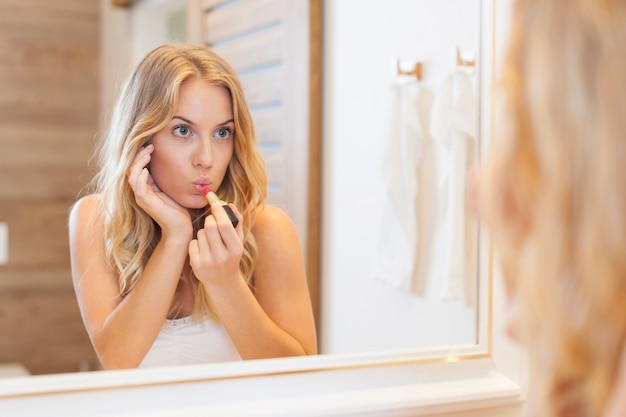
(194, 149)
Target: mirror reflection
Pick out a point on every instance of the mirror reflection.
(398, 254)
(386, 282)
(175, 258)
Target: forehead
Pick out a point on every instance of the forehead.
(201, 98)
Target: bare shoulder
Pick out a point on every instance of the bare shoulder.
(88, 203)
(86, 211)
(273, 228)
(272, 216)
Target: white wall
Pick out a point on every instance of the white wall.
(361, 39)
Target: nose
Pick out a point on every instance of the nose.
(203, 154)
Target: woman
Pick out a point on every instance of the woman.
(552, 193)
(161, 277)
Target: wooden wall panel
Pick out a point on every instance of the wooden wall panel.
(38, 232)
(56, 150)
(268, 125)
(48, 121)
(243, 17)
(264, 48)
(263, 87)
(49, 318)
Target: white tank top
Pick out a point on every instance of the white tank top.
(187, 341)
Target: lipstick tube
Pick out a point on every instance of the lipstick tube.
(212, 198)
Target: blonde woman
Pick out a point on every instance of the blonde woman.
(553, 195)
(161, 276)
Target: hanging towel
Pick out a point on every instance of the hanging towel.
(394, 261)
(454, 124)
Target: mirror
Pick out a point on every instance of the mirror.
(357, 313)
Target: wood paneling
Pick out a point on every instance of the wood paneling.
(38, 232)
(48, 318)
(243, 17)
(264, 48)
(268, 125)
(48, 120)
(264, 86)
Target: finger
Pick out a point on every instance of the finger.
(143, 157)
(151, 183)
(138, 167)
(230, 238)
(194, 251)
(239, 227)
(213, 233)
(204, 246)
(224, 221)
(136, 170)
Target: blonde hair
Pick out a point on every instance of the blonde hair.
(147, 103)
(554, 197)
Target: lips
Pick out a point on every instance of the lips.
(199, 186)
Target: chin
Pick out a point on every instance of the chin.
(194, 203)
(189, 202)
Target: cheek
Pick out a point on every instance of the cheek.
(161, 168)
(229, 153)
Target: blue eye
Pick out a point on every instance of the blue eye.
(223, 133)
(182, 131)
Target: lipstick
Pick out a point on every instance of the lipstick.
(212, 198)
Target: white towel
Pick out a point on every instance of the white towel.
(394, 262)
(454, 124)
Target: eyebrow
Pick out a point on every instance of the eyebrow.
(192, 123)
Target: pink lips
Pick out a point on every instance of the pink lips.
(199, 187)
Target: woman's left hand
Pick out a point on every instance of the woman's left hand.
(173, 219)
(215, 253)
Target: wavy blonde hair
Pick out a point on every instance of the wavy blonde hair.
(553, 194)
(146, 104)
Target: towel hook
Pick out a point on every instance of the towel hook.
(469, 64)
(415, 72)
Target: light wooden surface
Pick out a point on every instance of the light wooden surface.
(48, 119)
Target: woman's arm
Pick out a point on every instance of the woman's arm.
(121, 330)
(276, 319)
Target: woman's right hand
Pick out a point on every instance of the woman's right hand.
(173, 218)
